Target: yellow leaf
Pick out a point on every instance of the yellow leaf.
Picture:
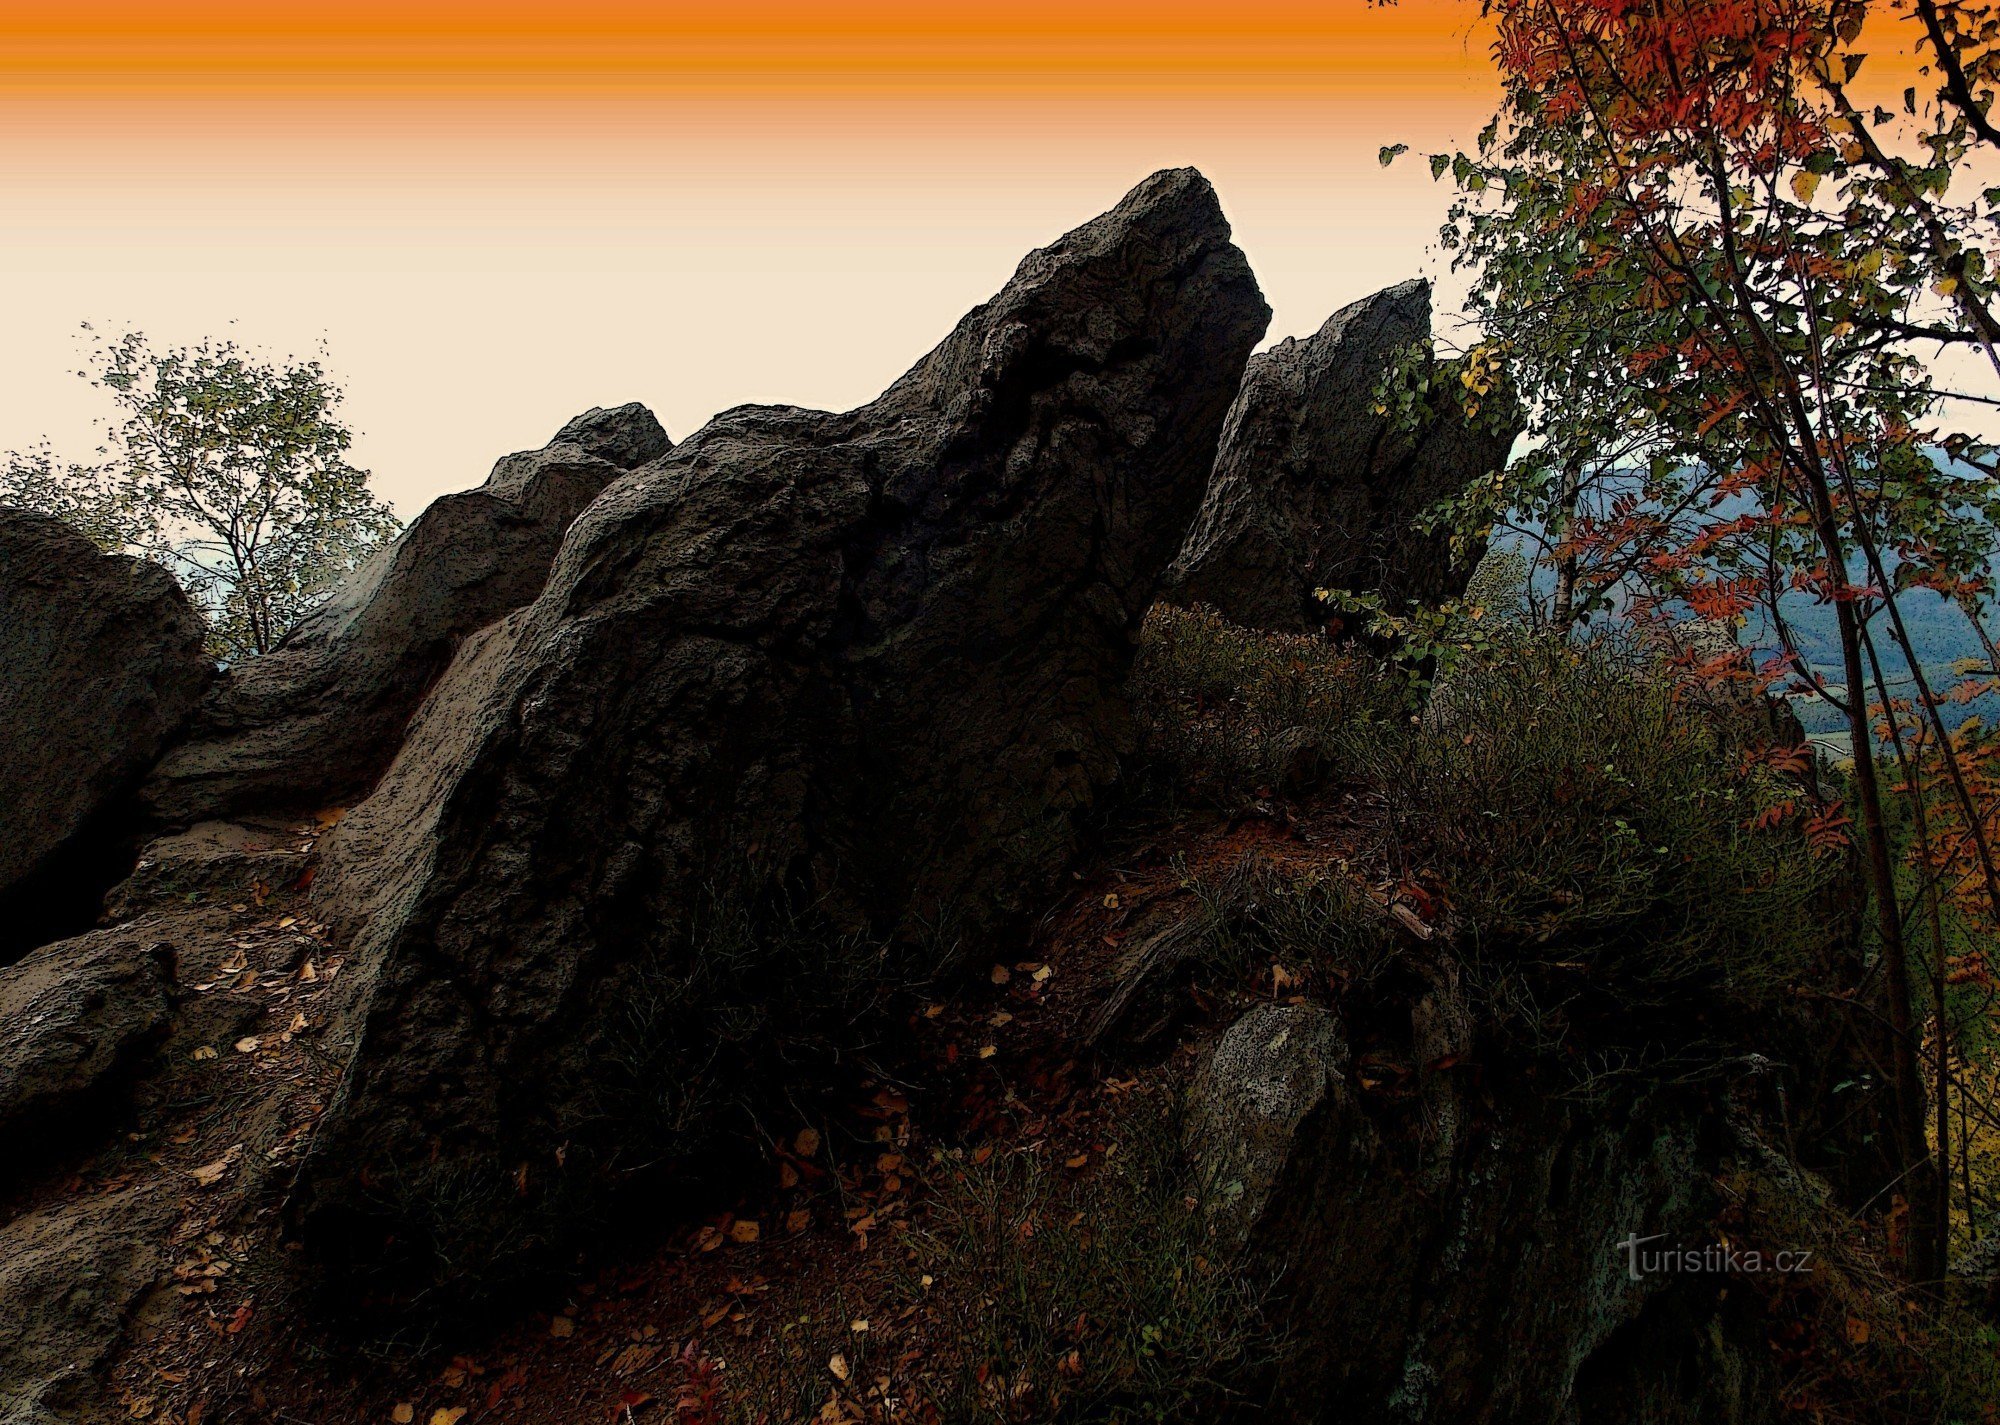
(206, 1051)
(1945, 286)
(404, 1413)
(447, 1415)
(745, 1230)
(1111, 901)
(987, 1051)
(248, 1044)
(1805, 183)
(838, 1365)
(858, 1325)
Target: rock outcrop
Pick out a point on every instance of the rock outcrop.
(315, 721)
(1463, 1262)
(79, 1013)
(1314, 489)
(866, 668)
(72, 1275)
(100, 664)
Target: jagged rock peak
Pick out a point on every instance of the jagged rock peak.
(869, 666)
(1314, 488)
(315, 721)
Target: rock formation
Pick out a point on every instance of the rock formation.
(79, 1013)
(1313, 488)
(315, 721)
(102, 664)
(72, 1273)
(1471, 1271)
(866, 665)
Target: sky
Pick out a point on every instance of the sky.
(496, 215)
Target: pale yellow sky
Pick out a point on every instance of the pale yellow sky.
(483, 267)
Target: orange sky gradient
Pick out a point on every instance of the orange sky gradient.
(496, 215)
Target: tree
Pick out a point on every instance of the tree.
(1723, 274)
(226, 468)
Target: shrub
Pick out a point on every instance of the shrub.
(1575, 811)
(1228, 711)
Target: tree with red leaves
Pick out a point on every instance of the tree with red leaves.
(1730, 279)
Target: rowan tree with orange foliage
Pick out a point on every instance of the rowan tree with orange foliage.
(1736, 254)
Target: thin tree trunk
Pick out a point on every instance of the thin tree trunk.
(1917, 1166)
(1563, 615)
(1941, 1073)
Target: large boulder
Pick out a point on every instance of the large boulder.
(1314, 488)
(1461, 1250)
(861, 673)
(74, 1273)
(100, 664)
(79, 1014)
(316, 720)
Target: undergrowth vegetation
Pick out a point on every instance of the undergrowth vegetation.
(1555, 807)
(1099, 1300)
(1226, 711)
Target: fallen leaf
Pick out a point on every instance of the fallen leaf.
(987, 1051)
(858, 1325)
(561, 1326)
(309, 973)
(745, 1230)
(1081, 1160)
(448, 1415)
(806, 1145)
(209, 1174)
(404, 1413)
(1001, 974)
(248, 1044)
(1042, 975)
(838, 1365)
(206, 1051)
(1111, 901)
(797, 1221)
(633, 1358)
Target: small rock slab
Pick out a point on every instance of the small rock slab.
(78, 1014)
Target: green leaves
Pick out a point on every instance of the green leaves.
(1390, 152)
(229, 469)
